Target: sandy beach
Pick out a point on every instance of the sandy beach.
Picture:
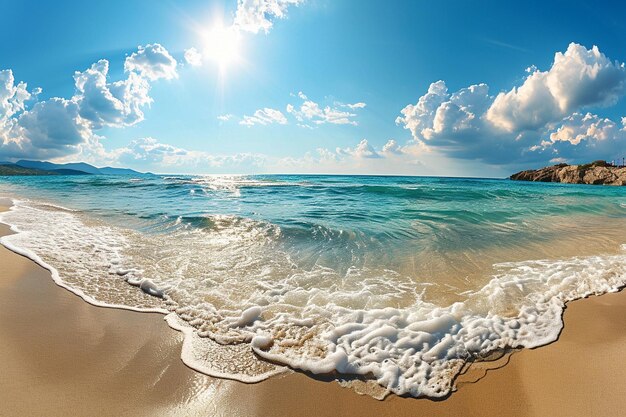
(62, 356)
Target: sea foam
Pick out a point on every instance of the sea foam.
(237, 296)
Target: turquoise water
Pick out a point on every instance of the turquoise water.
(361, 275)
(341, 220)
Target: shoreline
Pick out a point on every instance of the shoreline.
(62, 353)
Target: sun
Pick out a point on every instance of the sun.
(222, 45)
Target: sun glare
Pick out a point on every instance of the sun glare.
(221, 44)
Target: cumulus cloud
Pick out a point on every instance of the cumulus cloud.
(150, 153)
(362, 150)
(153, 62)
(578, 128)
(310, 111)
(13, 97)
(258, 15)
(264, 116)
(584, 137)
(160, 155)
(514, 126)
(578, 78)
(193, 57)
(58, 127)
(392, 147)
(52, 128)
(362, 158)
(110, 104)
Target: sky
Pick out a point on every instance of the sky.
(451, 88)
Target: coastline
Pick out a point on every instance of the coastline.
(60, 353)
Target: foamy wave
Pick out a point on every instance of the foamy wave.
(237, 295)
(418, 351)
(84, 260)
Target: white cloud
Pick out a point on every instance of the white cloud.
(392, 147)
(310, 111)
(51, 129)
(356, 106)
(578, 128)
(584, 137)
(225, 117)
(513, 127)
(578, 78)
(153, 62)
(154, 154)
(362, 150)
(149, 153)
(13, 97)
(193, 57)
(363, 158)
(110, 104)
(264, 116)
(258, 15)
(59, 127)
(439, 113)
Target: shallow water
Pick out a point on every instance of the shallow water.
(399, 280)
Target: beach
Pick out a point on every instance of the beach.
(302, 208)
(61, 355)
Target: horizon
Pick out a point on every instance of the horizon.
(320, 174)
(304, 87)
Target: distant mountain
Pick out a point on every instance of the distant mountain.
(66, 171)
(76, 166)
(9, 169)
(118, 171)
(12, 169)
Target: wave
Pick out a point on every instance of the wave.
(250, 305)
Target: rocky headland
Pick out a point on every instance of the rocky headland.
(597, 173)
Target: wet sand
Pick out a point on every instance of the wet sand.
(60, 356)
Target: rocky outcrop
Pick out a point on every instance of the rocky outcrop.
(598, 172)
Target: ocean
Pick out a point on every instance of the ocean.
(396, 281)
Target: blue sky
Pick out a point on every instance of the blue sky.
(313, 85)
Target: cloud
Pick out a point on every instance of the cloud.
(258, 15)
(264, 116)
(585, 137)
(578, 128)
(310, 111)
(52, 128)
(13, 97)
(152, 153)
(514, 126)
(115, 104)
(225, 117)
(59, 127)
(355, 106)
(392, 147)
(578, 78)
(193, 57)
(362, 158)
(153, 62)
(362, 150)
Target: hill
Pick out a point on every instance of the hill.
(597, 173)
(76, 168)
(10, 169)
